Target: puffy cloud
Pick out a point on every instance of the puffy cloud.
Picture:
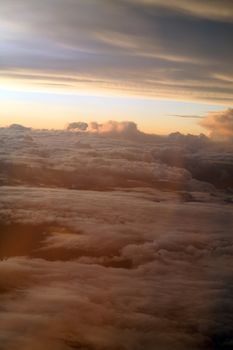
(220, 124)
(125, 129)
(106, 156)
(18, 127)
(77, 126)
(109, 242)
(210, 162)
(153, 256)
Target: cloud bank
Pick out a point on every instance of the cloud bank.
(114, 239)
(107, 273)
(107, 156)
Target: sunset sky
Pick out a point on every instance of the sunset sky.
(163, 65)
(116, 174)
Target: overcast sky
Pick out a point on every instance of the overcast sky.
(174, 50)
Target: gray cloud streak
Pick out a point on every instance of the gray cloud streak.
(126, 46)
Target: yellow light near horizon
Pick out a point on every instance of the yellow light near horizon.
(54, 113)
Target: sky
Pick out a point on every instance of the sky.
(161, 64)
(113, 237)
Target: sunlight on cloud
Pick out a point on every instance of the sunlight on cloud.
(116, 175)
(114, 239)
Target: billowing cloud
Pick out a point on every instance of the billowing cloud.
(114, 239)
(110, 270)
(127, 130)
(77, 126)
(106, 156)
(18, 127)
(220, 124)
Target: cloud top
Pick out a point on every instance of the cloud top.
(125, 129)
(111, 239)
(220, 124)
(77, 126)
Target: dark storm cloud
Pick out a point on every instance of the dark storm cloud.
(142, 47)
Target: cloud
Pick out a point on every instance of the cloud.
(153, 256)
(18, 127)
(106, 156)
(80, 126)
(187, 116)
(220, 124)
(206, 160)
(217, 9)
(125, 129)
(124, 48)
(114, 239)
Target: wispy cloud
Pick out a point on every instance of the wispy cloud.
(128, 47)
(186, 116)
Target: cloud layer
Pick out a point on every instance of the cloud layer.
(112, 239)
(147, 48)
(108, 273)
(105, 156)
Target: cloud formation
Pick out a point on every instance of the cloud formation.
(220, 124)
(114, 239)
(216, 9)
(77, 126)
(125, 129)
(147, 48)
(54, 293)
(104, 157)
